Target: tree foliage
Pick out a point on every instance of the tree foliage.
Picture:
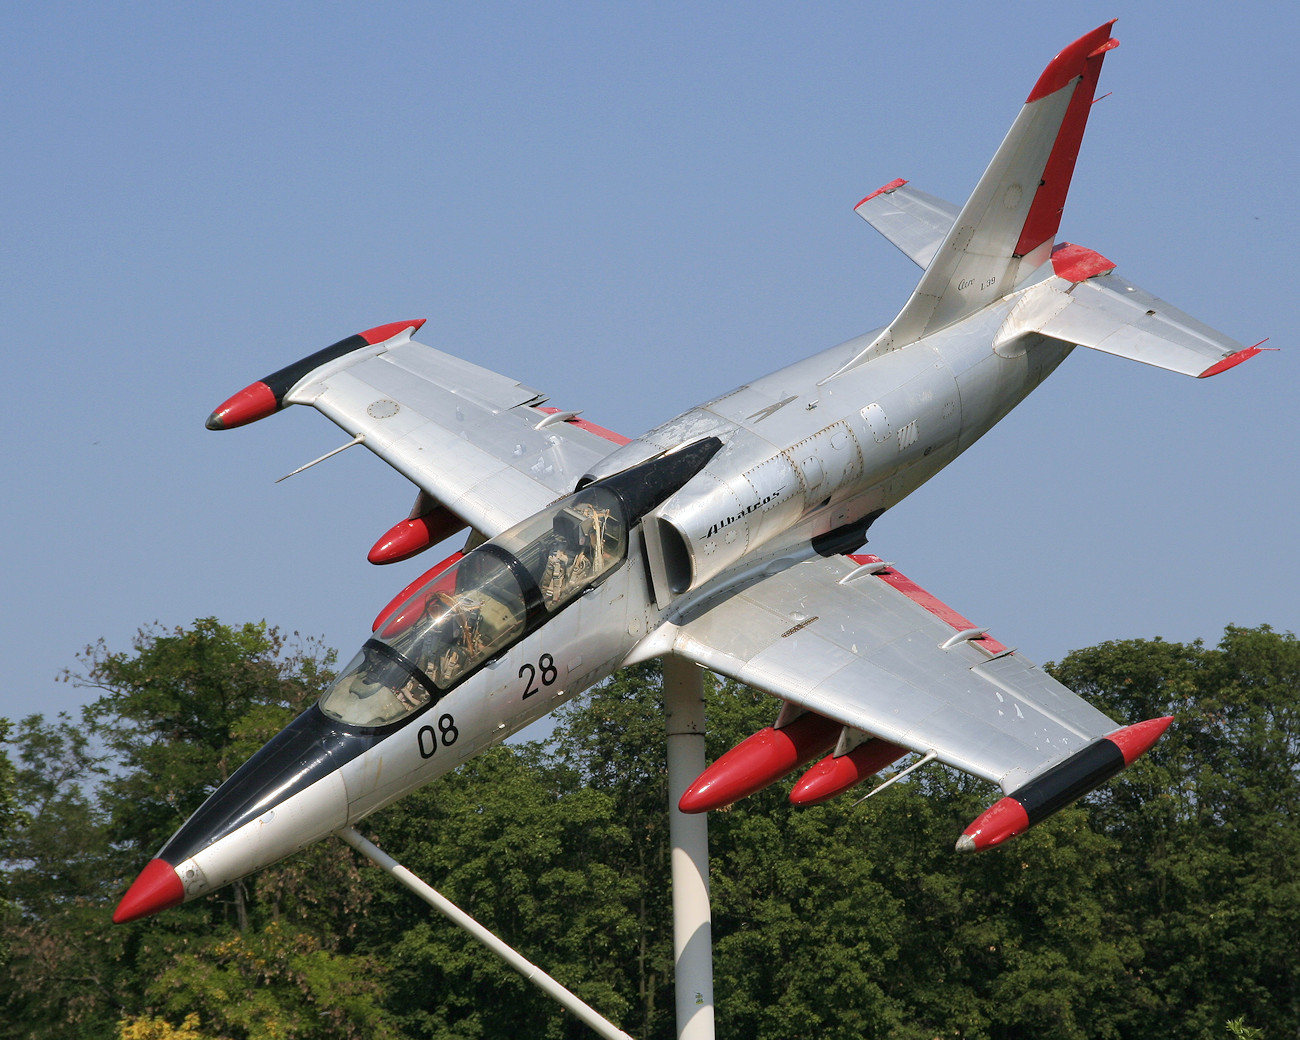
(1208, 824)
(175, 715)
(1163, 905)
(561, 848)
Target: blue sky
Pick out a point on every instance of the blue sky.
(634, 208)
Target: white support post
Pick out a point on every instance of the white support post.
(516, 960)
(689, 833)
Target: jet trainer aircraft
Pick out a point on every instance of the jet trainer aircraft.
(721, 536)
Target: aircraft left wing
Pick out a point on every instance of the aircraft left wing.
(855, 641)
(479, 443)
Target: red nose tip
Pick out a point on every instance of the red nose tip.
(157, 888)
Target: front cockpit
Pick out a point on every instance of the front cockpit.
(472, 611)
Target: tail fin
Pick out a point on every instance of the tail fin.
(1008, 226)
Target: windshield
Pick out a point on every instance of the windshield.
(475, 609)
(374, 690)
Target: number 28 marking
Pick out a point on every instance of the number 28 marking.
(544, 670)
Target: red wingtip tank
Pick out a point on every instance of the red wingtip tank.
(266, 396)
(1082, 772)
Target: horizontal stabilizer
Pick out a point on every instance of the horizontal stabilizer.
(1107, 313)
(913, 221)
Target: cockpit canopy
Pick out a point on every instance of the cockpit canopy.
(475, 609)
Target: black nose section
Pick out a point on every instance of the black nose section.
(308, 749)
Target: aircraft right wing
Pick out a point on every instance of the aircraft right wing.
(864, 646)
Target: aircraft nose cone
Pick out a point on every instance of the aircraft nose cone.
(157, 888)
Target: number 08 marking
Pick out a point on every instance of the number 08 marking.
(428, 738)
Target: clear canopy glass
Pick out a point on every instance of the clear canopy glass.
(474, 609)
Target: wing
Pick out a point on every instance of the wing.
(479, 443)
(867, 648)
(864, 646)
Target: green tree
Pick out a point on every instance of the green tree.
(62, 963)
(1163, 905)
(560, 848)
(182, 709)
(151, 1027)
(1114, 919)
(272, 983)
(12, 819)
(11, 815)
(56, 855)
(1238, 1028)
(176, 715)
(859, 920)
(1207, 826)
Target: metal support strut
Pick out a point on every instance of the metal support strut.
(521, 964)
(692, 927)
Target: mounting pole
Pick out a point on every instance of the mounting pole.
(689, 833)
(516, 960)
